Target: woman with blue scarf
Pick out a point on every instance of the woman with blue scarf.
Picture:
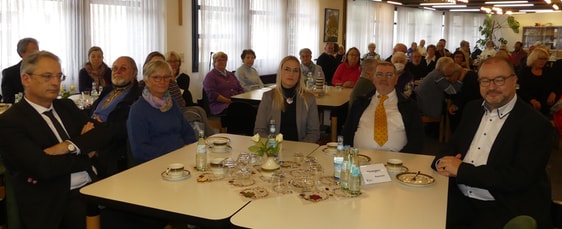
(156, 125)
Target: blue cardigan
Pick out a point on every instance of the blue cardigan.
(153, 133)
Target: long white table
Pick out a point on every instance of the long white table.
(382, 205)
(141, 189)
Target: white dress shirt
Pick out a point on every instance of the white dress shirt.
(479, 150)
(77, 179)
(364, 135)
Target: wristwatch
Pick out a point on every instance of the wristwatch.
(71, 148)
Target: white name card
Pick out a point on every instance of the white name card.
(374, 173)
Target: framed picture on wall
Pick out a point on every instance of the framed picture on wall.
(331, 22)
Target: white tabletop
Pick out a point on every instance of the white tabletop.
(143, 185)
(382, 205)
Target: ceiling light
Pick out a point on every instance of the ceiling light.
(436, 4)
(395, 3)
(509, 12)
(547, 1)
(555, 7)
(464, 10)
(429, 8)
(505, 2)
(514, 5)
(536, 11)
(451, 6)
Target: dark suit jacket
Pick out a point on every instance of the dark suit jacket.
(11, 83)
(109, 157)
(24, 135)
(410, 116)
(515, 172)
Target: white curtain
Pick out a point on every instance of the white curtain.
(416, 24)
(368, 22)
(462, 26)
(272, 28)
(68, 28)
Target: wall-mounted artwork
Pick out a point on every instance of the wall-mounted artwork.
(331, 22)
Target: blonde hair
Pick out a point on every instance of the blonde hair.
(535, 55)
(218, 55)
(300, 89)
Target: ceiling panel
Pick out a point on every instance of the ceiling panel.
(477, 4)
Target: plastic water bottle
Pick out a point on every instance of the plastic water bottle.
(201, 155)
(355, 174)
(310, 84)
(338, 159)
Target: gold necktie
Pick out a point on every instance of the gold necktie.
(381, 132)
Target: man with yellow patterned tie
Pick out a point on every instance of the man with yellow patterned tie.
(384, 119)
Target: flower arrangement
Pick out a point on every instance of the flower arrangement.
(262, 148)
(64, 93)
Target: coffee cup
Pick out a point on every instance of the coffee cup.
(216, 165)
(394, 164)
(175, 170)
(331, 147)
(219, 145)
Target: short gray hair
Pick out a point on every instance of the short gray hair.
(23, 43)
(29, 64)
(155, 66)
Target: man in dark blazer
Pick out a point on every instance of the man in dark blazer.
(112, 109)
(46, 146)
(358, 129)
(496, 159)
(11, 81)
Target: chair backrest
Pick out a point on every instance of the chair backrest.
(204, 102)
(521, 222)
(240, 118)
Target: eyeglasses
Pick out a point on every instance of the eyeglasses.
(288, 70)
(387, 75)
(160, 78)
(498, 81)
(48, 76)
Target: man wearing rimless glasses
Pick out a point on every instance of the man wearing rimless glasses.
(46, 145)
(497, 157)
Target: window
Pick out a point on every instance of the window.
(68, 28)
(272, 28)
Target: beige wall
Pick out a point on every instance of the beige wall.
(332, 4)
(527, 20)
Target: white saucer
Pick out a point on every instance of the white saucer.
(227, 149)
(185, 175)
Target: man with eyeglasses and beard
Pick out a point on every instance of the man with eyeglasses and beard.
(46, 146)
(496, 159)
(112, 109)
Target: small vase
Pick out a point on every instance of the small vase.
(270, 164)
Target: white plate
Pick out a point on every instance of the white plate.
(421, 180)
(400, 169)
(185, 175)
(227, 149)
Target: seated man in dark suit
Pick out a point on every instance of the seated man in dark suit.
(416, 67)
(112, 109)
(384, 119)
(497, 158)
(46, 146)
(11, 82)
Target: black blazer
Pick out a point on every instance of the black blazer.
(410, 116)
(515, 172)
(24, 135)
(11, 83)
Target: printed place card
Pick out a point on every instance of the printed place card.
(374, 173)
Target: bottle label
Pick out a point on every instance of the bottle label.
(338, 161)
(354, 171)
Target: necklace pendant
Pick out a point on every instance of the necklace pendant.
(289, 100)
